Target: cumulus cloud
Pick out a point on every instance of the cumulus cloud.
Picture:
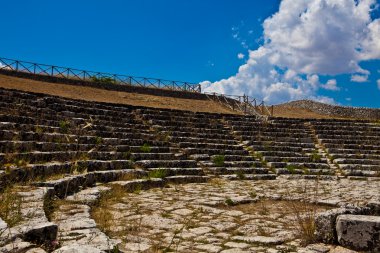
(303, 40)
(359, 78)
(330, 85)
(240, 56)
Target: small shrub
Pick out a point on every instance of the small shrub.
(146, 148)
(229, 202)
(305, 221)
(105, 80)
(98, 140)
(253, 194)
(218, 160)
(264, 210)
(64, 126)
(240, 174)
(315, 157)
(160, 173)
(292, 168)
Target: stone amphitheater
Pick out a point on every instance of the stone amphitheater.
(81, 176)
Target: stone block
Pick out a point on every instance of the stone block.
(359, 232)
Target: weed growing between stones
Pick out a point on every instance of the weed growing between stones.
(104, 217)
(315, 157)
(64, 126)
(305, 214)
(240, 174)
(146, 148)
(218, 160)
(159, 173)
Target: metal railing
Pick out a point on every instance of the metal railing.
(244, 104)
(92, 76)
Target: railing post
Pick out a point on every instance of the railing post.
(262, 108)
(272, 108)
(34, 68)
(16, 65)
(52, 70)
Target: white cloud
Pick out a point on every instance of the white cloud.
(348, 99)
(330, 85)
(359, 78)
(378, 84)
(302, 40)
(240, 56)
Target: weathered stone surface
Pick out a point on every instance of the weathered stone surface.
(17, 245)
(326, 221)
(265, 240)
(359, 232)
(75, 248)
(41, 232)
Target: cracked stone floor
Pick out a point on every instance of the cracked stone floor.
(229, 216)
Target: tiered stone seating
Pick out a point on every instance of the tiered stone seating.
(286, 145)
(46, 136)
(205, 138)
(353, 145)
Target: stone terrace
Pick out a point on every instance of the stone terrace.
(53, 148)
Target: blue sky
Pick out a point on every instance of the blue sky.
(196, 41)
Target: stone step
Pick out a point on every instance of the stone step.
(140, 184)
(352, 152)
(166, 163)
(233, 164)
(203, 140)
(250, 177)
(200, 157)
(302, 165)
(34, 226)
(185, 179)
(286, 171)
(190, 130)
(357, 161)
(201, 135)
(74, 183)
(361, 172)
(277, 148)
(209, 146)
(280, 143)
(235, 158)
(281, 153)
(292, 159)
(351, 141)
(210, 151)
(236, 170)
(166, 172)
(367, 167)
(352, 146)
(154, 156)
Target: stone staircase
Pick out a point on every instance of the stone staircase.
(284, 145)
(354, 146)
(208, 140)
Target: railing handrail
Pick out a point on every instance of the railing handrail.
(86, 75)
(245, 101)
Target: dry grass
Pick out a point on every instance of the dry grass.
(10, 207)
(108, 96)
(101, 212)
